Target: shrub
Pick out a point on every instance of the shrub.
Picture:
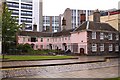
(24, 47)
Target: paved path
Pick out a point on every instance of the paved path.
(109, 72)
(106, 69)
(50, 62)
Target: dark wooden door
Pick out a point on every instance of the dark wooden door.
(81, 50)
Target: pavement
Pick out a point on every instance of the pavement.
(108, 69)
(108, 72)
(94, 67)
(81, 59)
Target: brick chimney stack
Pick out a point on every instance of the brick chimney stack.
(82, 18)
(63, 23)
(96, 16)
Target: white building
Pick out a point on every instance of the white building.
(51, 23)
(28, 11)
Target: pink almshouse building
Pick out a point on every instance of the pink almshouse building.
(92, 37)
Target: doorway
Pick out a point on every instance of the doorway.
(82, 51)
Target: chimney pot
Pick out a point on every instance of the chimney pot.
(96, 16)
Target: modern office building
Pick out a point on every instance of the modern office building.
(74, 17)
(51, 23)
(28, 12)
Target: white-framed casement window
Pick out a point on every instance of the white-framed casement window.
(101, 36)
(93, 35)
(101, 47)
(110, 36)
(94, 47)
(48, 39)
(55, 39)
(117, 37)
(110, 47)
(116, 48)
(60, 39)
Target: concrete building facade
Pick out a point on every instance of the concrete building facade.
(74, 17)
(51, 23)
(28, 12)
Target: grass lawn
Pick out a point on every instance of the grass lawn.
(35, 57)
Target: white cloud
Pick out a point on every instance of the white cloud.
(56, 7)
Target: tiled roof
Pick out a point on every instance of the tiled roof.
(37, 34)
(45, 34)
(85, 26)
(95, 26)
(63, 32)
(82, 27)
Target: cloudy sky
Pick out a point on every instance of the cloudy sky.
(55, 7)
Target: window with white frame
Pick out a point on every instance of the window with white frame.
(68, 37)
(93, 35)
(62, 38)
(65, 38)
(101, 36)
(47, 39)
(110, 36)
(55, 39)
(116, 47)
(117, 37)
(110, 47)
(94, 47)
(101, 47)
(59, 39)
(68, 46)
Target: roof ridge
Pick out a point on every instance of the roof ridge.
(79, 26)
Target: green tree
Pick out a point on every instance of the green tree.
(9, 29)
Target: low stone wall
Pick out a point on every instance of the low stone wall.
(28, 71)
